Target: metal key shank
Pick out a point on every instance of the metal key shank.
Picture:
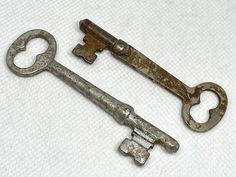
(144, 135)
(96, 39)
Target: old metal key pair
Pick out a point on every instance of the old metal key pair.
(97, 39)
(144, 135)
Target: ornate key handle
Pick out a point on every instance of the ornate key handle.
(96, 39)
(42, 60)
(144, 134)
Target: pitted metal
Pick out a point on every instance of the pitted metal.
(144, 136)
(190, 96)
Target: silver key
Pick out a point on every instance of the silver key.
(144, 135)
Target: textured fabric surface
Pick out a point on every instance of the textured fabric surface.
(47, 129)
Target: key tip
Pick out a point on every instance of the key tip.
(84, 24)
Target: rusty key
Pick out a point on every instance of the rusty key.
(144, 134)
(96, 39)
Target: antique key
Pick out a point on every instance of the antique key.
(97, 39)
(144, 135)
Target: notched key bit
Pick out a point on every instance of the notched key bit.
(190, 96)
(88, 50)
(144, 136)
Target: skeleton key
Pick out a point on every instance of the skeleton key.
(97, 39)
(144, 135)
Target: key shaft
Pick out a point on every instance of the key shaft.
(133, 57)
(121, 112)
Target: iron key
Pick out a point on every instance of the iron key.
(144, 135)
(97, 39)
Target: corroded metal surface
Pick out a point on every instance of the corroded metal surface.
(144, 136)
(190, 96)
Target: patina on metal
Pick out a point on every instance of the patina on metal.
(144, 135)
(97, 39)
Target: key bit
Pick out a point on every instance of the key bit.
(97, 38)
(190, 96)
(88, 50)
(138, 146)
(137, 151)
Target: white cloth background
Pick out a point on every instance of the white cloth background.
(48, 129)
